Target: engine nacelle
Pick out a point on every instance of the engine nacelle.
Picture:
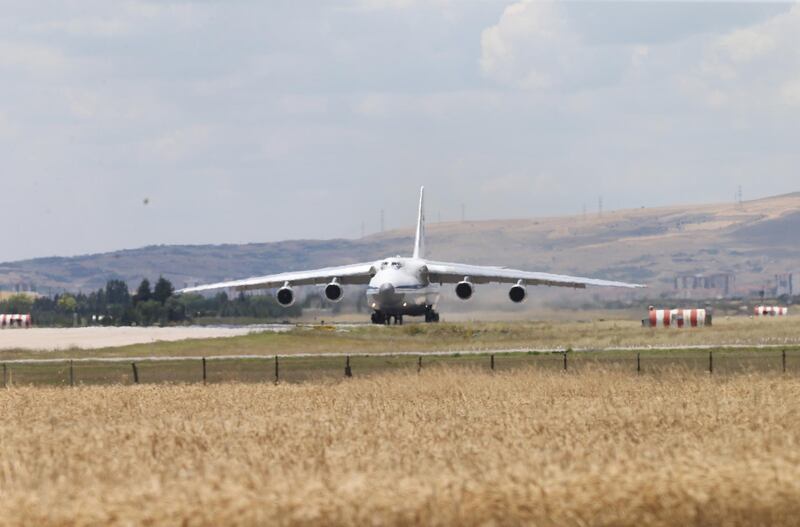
(517, 293)
(286, 296)
(334, 291)
(464, 290)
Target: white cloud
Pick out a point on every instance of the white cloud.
(790, 92)
(32, 58)
(752, 66)
(532, 46)
(375, 5)
(639, 55)
(536, 46)
(93, 26)
(7, 128)
(183, 143)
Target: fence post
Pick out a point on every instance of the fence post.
(565, 360)
(783, 360)
(71, 374)
(710, 362)
(135, 373)
(277, 373)
(638, 363)
(347, 371)
(419, 364)
(491, 361)
(205, 376)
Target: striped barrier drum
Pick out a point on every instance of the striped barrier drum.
(15, 321)
(677, 318)
(771, 311)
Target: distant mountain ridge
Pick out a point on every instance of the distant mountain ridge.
(754, 240)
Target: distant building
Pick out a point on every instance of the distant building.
(704, 286)
(784, 284)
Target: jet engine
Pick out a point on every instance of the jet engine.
(334, 291)
(285, 295)
(517, 293)
(465, 289)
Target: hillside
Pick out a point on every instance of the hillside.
(754, 241)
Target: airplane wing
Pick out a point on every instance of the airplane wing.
(450, 273)
(346, 274)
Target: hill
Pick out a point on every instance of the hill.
(752, 241)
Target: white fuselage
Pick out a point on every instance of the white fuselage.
(400, 286)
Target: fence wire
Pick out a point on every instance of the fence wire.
(297, 369)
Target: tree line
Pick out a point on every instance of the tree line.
(114, 305)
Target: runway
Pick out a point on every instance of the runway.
(87, 338)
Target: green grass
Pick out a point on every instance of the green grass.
(300, 369)
(415, 338)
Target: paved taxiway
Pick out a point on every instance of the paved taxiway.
(47, 339)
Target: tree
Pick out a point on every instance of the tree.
(117, 293)
(176, 311)
(163, 290)
(149, 312)
(19, 303)
(67, 303)
(143, 293)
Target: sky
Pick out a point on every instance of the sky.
(132, 123)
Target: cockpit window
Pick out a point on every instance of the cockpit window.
(391, 264)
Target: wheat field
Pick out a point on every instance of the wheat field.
(443, 447)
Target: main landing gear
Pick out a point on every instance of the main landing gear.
(431, 315)
(379, 317)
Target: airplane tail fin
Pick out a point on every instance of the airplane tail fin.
(419, 242)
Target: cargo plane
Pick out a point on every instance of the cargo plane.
(399, 286)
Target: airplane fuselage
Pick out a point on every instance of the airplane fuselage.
(400, 286)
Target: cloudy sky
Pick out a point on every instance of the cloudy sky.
(256, 121)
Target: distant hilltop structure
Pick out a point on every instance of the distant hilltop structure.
(719, 285)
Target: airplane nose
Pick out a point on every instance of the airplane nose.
(386, 289)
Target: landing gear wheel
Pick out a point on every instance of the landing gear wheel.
(431, 315)
(379, 318)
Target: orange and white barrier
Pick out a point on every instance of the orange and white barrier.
(15, 321)
(771, 311)
(677, 318)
